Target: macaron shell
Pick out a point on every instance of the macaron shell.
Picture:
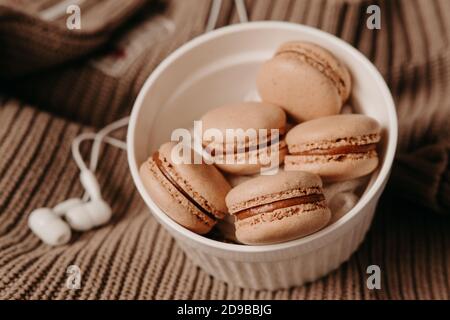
(264, 188)
(172, 202)
(324, 57)
(349, 167)
(202, 182)
(245, 115)
(306, 80)
(300, 89)
(332, 128)
(270, 229)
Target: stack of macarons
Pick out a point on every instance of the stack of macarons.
(303, 88)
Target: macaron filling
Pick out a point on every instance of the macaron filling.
(284, 203)
(173, 182)
(262, 146)
(338, 150)
(249, 147)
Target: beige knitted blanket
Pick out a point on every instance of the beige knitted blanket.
(56, 84)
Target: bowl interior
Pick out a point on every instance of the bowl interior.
(220, 67)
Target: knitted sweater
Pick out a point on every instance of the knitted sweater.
(51, 95)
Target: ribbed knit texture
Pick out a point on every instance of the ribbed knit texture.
(30, 44)
(135, 258)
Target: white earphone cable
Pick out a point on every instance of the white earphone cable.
(241, 10)
(215, 10)
(91, 136)
(98, 138)
(213, 15)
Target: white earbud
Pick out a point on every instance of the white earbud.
(81, 214)
(50, 228)
(89, 215)
(93, 213)
(65, 206)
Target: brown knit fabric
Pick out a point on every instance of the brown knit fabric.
(423, 176)
(135, 258)
(30, 43)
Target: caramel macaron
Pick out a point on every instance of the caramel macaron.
(277, 208)
(191, 194)
(253, 152)
(337, 147)
(306, 80)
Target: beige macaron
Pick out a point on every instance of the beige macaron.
(277, 208)
(245, 138)
(191, 194)
(306, 80)
(337, 147)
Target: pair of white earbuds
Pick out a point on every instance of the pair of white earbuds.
(53, 225)
(49, 226)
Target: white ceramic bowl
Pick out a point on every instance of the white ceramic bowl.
(220, 67)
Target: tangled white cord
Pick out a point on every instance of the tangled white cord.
(53, 225)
